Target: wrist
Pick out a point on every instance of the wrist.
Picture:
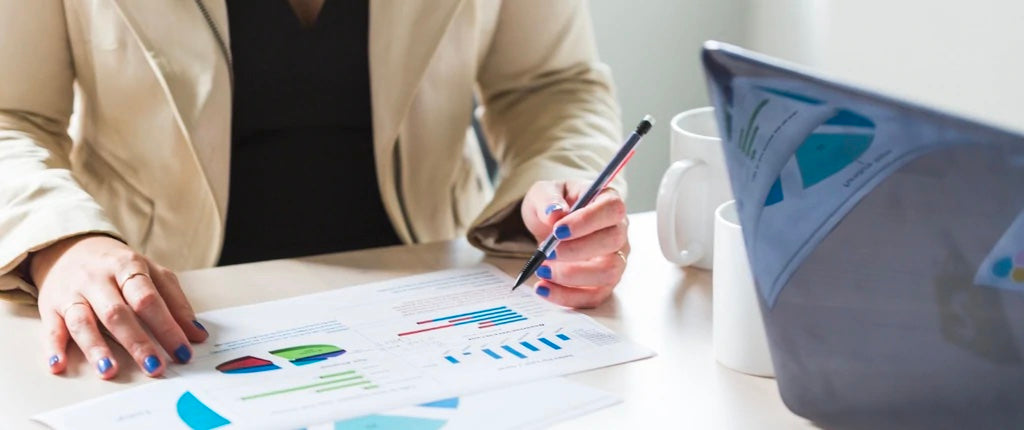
(39, 262)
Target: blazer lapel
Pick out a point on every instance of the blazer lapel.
(187, 59)
(403, 38)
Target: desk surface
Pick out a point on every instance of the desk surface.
(658, 305)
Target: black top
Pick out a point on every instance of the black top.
(303, 180)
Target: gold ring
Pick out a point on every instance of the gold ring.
(64, 311)
(120, 284)
(621, 255)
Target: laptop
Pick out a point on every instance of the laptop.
(886, 240)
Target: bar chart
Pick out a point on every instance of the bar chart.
(520, 350)
(483, 318)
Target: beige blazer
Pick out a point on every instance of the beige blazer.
(145, 157)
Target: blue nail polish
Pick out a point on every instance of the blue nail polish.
(544, 272)
(199, 325)
(543, 291)
(183, 354)
(552, 255)
(151, 363)
(562, 232)
(104, 365)
(551, 208)
(54, 360)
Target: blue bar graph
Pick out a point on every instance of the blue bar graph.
(549, 343)
(529, 348)
(508, 321)
(463, 315)
(513, 351)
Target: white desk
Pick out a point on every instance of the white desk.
(657, 304)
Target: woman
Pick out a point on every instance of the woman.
(345, 124)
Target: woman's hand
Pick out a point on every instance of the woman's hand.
(92, 281)
(589, 261)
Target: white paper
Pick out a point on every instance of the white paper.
(368, 348)
(1003, 267)
(168, 405)
(798, 165)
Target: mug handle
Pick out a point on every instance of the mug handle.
(668, 199)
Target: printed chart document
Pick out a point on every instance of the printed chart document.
(373, 347)
(169, 405)
(799, 163)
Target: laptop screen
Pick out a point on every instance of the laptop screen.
(886, 240)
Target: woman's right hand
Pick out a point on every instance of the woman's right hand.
(90, 281)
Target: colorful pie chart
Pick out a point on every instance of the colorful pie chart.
(247, 364)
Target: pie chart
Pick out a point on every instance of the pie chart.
(835, 144)
(247, 364)
(307, 354)
(196, 415)
(297, 355)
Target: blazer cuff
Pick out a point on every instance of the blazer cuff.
(499, 230)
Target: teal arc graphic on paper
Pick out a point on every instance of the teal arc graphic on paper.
(835, 144)
(389, 422)
(450, 403)
(774, 194)
(197, 415)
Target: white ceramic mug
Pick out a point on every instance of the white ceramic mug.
(738, 332)
(693, 186)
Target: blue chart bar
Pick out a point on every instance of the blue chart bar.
(451, 359)
(529, 346)
(513, 351)
(562, 336)
(549, 343)
(517, 319)
(463, 315)
(493, 354)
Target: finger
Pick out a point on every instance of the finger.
(601, 242)
(602, 271)
(81, 324)
(170, 289)
(543, 205)
(143, 298)
(121, 322)
(607, 209)
(574, 297)
(56, 340)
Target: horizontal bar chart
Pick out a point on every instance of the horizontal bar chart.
(483, 318)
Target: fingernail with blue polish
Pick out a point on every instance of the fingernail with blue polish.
(544, 272)
(552, 255)
(54, 360)
(104, 365)
(551, 208)
(199, 325)
(183, 354)
(151, 363)
(562, 232)
(543, 291)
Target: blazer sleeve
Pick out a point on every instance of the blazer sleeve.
(40, 202)
(549, 111)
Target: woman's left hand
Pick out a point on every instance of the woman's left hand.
(588, 263)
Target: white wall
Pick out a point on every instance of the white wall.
(959, 56)
(653, 49)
